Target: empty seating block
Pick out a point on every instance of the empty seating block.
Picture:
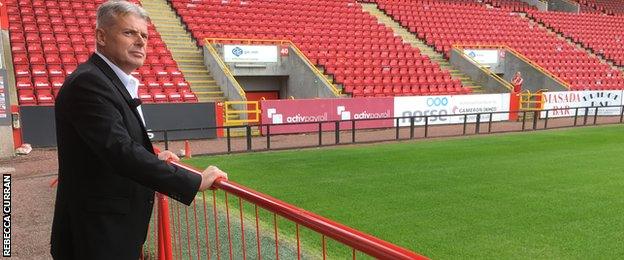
(605, 6)
(582, 28)
(444, 24)
(50, 38)
(361, 54)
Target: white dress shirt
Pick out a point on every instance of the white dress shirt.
(131, 83)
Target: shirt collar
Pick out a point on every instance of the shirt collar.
(126, 79)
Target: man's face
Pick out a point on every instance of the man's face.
(124, 43)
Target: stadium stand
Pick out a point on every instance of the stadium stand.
(443, 24)
(362, 55)
(581, 28)
(604, 6)
(50, 38)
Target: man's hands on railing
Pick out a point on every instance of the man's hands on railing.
(168, 156)
(209, 175)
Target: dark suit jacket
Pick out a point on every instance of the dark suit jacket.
(107, 169)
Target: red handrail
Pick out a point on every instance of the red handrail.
(360, 241)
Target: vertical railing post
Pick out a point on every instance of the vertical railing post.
(164, 231)
(575, 115)
(490, 124)
(411, 127)
(585, 116)
(478, 124)
(353, 131)
(621, 114)
(320, 134)
(596, 115)
(248, 134)
(337, 132)
(535, 116)
(229, 140)
(465, 123)
(268, 133)
(426, 126)
(523, 120)
(166, 141)
(397, 127)
(546, 120)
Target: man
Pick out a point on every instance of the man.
(517, 82)
(107, 169)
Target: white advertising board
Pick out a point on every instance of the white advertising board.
(451, 109)
(250, 53)
(483, 56)
(565, 103)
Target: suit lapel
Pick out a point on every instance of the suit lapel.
(108, 71)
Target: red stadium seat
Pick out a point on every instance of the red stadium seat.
(24, 83)
(22, 70)
(39, 70)
(20, 59)
(174, 96)
(145, 96)
(188, 95)
(45, 97)
(26, 97)
(159, 96)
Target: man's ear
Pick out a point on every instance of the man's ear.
(100, 37)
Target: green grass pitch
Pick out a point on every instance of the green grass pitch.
(550, 194)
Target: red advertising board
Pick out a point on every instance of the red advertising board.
(304, 115)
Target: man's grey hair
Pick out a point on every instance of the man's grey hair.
(108, 12)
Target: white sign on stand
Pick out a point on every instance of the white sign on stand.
(250, 53)
(483, 56)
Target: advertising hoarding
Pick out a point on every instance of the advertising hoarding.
(564, 103)
(306, 113)
(450, 109)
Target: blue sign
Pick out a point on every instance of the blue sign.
(237, 51)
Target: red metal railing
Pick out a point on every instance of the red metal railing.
(188, 235)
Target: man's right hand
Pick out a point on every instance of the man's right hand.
(209, 176)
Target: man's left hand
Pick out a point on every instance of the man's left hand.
(168, 156)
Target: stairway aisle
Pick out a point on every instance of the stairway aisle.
(185, 52)
(422, 46)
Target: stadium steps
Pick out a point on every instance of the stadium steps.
(577, 45)
(422, 46)
(330, 77)
(184, 50)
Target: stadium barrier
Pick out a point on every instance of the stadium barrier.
(352, 131)
(228, 225)
(531, 101)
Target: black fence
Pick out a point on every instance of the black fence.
(239, 139)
